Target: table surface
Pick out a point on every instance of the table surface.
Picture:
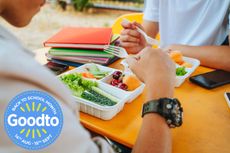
(206, 127)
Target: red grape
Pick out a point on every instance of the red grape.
(122, 86)
(114, 82)
(117, 74)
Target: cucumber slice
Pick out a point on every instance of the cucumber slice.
(98, 90)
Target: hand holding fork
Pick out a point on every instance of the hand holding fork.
(121, 52)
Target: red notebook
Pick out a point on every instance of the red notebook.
(76, 37)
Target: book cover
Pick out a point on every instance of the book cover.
(75, 64)
(80, 59)
(80, 37)
(78, 52)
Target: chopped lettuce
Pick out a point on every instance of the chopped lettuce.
(88, 90)
(77, 84)
(180, 71)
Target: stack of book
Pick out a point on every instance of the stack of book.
(75, 46)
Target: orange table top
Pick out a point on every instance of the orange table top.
(206, 127)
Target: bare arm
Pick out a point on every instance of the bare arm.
(217, 57)
(152, 138)
(155, 135)
(151, 28)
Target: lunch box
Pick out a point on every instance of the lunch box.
(105, 112)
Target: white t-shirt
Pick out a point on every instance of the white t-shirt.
(190, 22)
(20, 72)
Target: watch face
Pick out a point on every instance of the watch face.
(177, 113)
(168, 108)
(173, 112)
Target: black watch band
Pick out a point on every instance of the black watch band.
(168, 108)
(150, 107)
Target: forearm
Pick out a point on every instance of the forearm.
(217, 57)
(155, 135)
(151, 28)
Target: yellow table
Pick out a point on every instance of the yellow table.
(206, 127)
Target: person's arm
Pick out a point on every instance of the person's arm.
(151, 28)
(131, 39)
(217, 57)
(155, 135)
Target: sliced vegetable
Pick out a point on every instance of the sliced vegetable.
(87, 75)
(97, 73)
(131, 81)
(187, 65)
(95, 97)
(103, 93)
(177, 57)
(88, 90)
(180, 71)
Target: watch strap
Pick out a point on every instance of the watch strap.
(150, 107)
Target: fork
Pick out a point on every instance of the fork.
(115, 50)
(149, 40)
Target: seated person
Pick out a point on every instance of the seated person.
(20, 72)
(198, 29)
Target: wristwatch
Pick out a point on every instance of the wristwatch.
(168, 108)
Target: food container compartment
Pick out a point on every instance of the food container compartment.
(195, 63)
(103, 112)
(82, 68)
(131, 95)
(179, 79)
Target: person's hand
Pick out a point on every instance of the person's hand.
(156, 69)
(131, 39)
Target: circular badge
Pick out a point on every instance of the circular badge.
(33, 120)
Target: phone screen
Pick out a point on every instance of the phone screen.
(227, 98)
(228, 95)
(212, 79)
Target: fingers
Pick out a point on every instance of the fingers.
(128, 38)
(138, 25)
(127, 25)
(132, 61)
(131, 32)
(135, 66)
(129, 44)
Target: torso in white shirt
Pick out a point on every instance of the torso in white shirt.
(190, 22)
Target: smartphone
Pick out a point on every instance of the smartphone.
(212, 79)
(56, 68)
(227, 98)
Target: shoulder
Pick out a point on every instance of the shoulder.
(19, 64)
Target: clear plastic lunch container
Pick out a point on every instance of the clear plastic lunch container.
(179, 79)
(195, 63)
(105, 112)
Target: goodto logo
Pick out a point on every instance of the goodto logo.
(33, 120)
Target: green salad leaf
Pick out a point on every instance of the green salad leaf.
(77, 84)
(87, 89)
(180, 71)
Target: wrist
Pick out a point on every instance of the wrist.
(159, 90)
(168, 108)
